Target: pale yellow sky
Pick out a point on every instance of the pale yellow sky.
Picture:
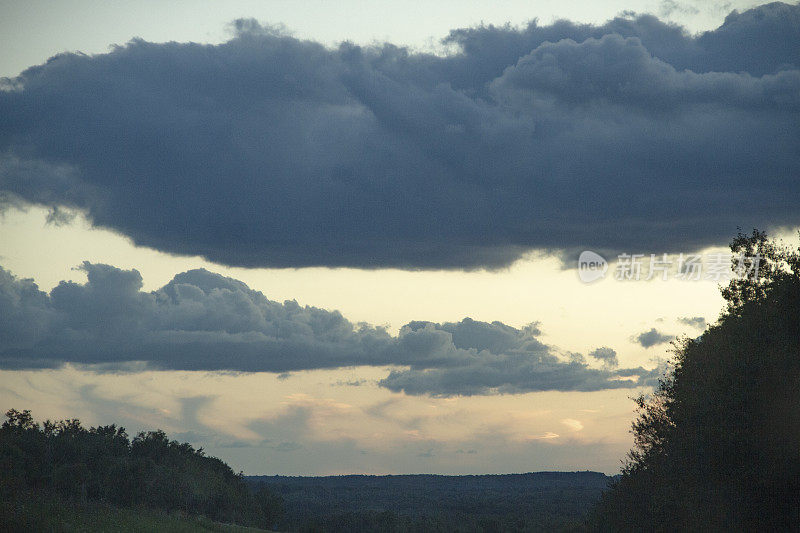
(262, 424)
(314, 422)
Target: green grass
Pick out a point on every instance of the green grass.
(33, 514)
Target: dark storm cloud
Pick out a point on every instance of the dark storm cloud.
(272, 151)
(204, 321)
(652, 338)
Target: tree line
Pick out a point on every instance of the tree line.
(101, 464)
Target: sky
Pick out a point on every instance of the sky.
(328, 238)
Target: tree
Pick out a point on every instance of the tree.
(63, 459)
(717, 446)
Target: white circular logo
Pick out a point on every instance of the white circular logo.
(591, 266)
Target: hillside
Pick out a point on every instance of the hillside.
(53, 514)
(74, 468)
(61, 476)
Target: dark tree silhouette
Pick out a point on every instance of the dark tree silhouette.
(66, 460)
(717, 446)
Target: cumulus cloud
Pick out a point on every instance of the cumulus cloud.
(652, 338)
(698, 322)
(607, 355)
(267, 150)
(204, 321)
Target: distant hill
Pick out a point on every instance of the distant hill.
(61, 476)
(508, 502)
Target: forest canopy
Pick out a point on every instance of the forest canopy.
(101, 464)
(716, 445)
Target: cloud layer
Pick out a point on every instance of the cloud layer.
(698, 322)
(204, 321)
(653, 337)
(272, 151)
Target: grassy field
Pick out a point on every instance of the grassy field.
(52, 515)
